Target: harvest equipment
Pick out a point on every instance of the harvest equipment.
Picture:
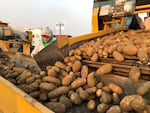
(103, 71)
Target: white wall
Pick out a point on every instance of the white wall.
(22, 14)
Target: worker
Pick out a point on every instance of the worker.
(147, 23)
(46, 39)
(136, 23)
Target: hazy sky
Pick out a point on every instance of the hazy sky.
(22, 14)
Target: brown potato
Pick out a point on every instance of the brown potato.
(52, 72)
(76, 66)
(138, 104)
(43, 96)
(68, 79)
(83, 94)
(84, 71)
(115, 98)
(43, 73)
(47, 86)
(78, 83)
(31, 79)
(58, 91)
(125, 103)
(66, 101)
(107, 68)
(134, 74)
(99, 92)
(51, 79)
(91, 81)
(94, 57)
(118, 56)
(75, 98)
(143, 89)
(105, 98)
(142, 56)
(57, 107)
(114, 109)
(130, 50)
(60, 65)
(91, 105)
(115, 88)
(102, 108)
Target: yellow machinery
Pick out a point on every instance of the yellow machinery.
(10, 39)
(13, 100)
(100, 27)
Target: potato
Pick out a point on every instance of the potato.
(143, 89)
(91, 90)
(78, 83)
(107, 68)
(21, 79)
(68, 68)
(115, 88)
(68, 79)
(100, 53)
(52, 72)
(12, 74)
(57, 107)
(43, 96)
(90, 51)
(106, 89)
(37, 76)
(91, 81)
(114, 109)
(134, 74)
(83, 94)
(84, 71)
(102, 108)
(58, 91)
(75, 98)
(77, 57)
(91, 105)
(66, 59)
(71, 52)
(115, 98)
(99, 85)
(47, 86)
(19, 69)
(98, 92)
(43, 73)
(138, 104)
(130, 50)
(106, 98)
(119, 48)
(118, 56)
(142, 56)
(30, 79)
(63, 73)
(77, 52)
(76, 66)
(94, 57)
(51, 79)
(60, 65)
(125, 103)
(111, 49)
(66, 101)
(35, 94)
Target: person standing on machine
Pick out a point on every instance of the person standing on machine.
(46, 39)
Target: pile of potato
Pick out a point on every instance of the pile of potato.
(70, 84)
